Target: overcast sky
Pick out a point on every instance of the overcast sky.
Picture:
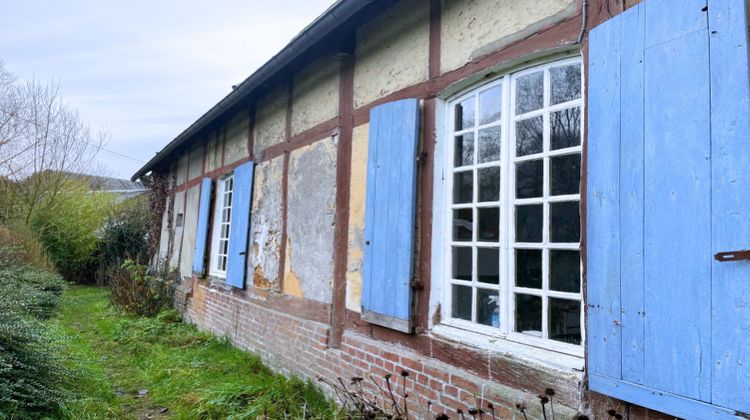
(146, 69)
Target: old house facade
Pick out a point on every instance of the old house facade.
(499, 197)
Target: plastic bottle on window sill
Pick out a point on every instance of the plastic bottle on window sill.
(496, 311)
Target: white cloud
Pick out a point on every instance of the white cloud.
(146, 69)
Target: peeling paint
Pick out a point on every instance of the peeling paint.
(291, 281)
(259, 278)
(265, 228)
(311, 218)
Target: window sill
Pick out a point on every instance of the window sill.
(497, 343)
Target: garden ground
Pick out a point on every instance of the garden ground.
(136, 368)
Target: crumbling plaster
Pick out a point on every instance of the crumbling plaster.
(270, 119)
(189, 230)
(182, 168)
(213, 159)
(164, 236)
(392, 51)
(235, 147)
(195, 167)
(316, 94)
(265, 227)
(179, 203)
(311, 212)
(357, 193)
(474, 28)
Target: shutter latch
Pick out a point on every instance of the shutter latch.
(733, 256)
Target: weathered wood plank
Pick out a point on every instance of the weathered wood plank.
(631, 193)
(730, 221)
(677, 215)
(604, 340)
(239, 225)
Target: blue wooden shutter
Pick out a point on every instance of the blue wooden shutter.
(389, 214)
(204, 210)
(240, 224)
(667, 188)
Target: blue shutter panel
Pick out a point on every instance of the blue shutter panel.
(204, 210)
(667, 188)
(240, 224)
(390, 214)
(730, 227)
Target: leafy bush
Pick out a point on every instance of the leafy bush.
(32, 377)
(124, 236)
(137, 290)
(68, 225)
(18, 245)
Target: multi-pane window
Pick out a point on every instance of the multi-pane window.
(222, 221)
(515, 158)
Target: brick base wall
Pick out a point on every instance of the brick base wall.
(297, 346)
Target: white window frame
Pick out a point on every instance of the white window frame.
(442, 259)
(218, 223)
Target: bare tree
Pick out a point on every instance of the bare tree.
(44, 144)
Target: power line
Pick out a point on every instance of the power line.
(100, 148)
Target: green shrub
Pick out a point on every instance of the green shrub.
(19, 246)
(30, 291)
(123, 236)
(68, 225)
(139, 291)
(32, 377)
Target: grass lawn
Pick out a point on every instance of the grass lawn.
(135, 368)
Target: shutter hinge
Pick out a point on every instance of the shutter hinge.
(416, 285)
(422, 157)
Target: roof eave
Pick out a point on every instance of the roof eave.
(335, 16)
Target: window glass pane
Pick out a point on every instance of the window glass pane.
(461, 302)
(529, 178)
(489, 184)
(464, 151)
(565, 174)
(564, 222)
(489, 144)
(565, 83)
(462, 263)
(488, 310)
(529, 92)
(529, 223)
(529, 314)
(489, 224)
(462, 224)
(565, 271)
(529, 268)
(565, 320)
(529, 136)
(490, 104)
(465, 114)
(488, 265)
(463, 187)
(565, 128)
